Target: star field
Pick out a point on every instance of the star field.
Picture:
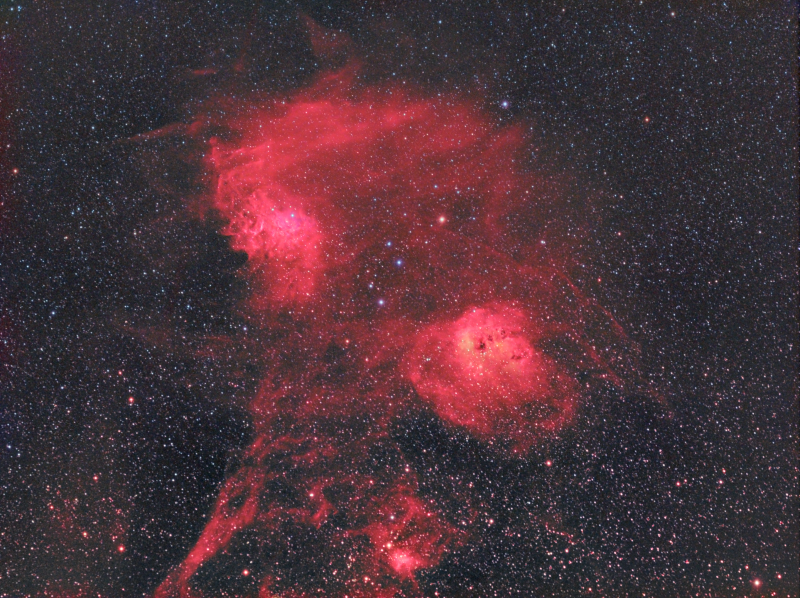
(395, 299)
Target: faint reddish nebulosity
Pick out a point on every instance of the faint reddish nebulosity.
(387, 260)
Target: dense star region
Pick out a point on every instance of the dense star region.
(378, 299)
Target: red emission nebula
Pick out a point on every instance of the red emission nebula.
(392, 266)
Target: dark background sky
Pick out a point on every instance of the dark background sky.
(681, 122)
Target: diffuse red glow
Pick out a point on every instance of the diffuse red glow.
(406, 534)
(483, 371)
(376, 225)
(310, 184)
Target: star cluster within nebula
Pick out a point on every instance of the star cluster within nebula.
(388, 268)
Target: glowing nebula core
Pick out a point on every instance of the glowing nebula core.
(484, 372)
(388, 237)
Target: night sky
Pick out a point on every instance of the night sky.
(389, 299)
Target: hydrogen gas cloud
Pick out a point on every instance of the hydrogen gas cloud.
(394, 262)
(327, 306)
